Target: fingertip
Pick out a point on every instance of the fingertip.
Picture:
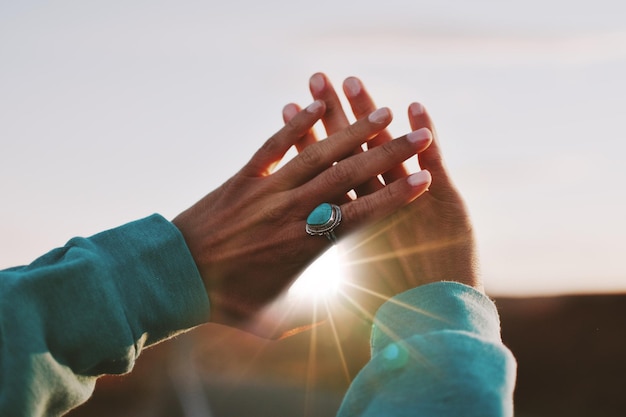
(416, 109)
(420, 136)
(317, 83)
(352, 87)
(381, 115)
(420, 179)
(290, 111)
(315, 106)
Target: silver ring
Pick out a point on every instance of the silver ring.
(323, 220)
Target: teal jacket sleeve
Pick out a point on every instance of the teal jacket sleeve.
(436, 352)
(89, 308)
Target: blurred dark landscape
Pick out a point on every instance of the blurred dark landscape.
(571, 353)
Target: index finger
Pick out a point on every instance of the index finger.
(319, 156)
(274, 149)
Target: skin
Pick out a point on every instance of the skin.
(428, 240)
(248, 236)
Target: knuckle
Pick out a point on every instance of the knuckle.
(355, 131)
(311, 157)
(271, 145)
(395, 194)
(389, 150)
(363, 212)
(340, 173)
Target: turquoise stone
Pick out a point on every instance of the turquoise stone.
(320, 215)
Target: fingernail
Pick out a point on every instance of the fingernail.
(289, 112)
(419, 178)
(315, 106)
(419, 135)
(352, 86)
(416, 109)
(379, 116)
(317, 83)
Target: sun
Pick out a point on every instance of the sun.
(321, 279)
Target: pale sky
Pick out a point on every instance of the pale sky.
(113, 110)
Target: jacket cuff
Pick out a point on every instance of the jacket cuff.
(435, 307)
(156, 276)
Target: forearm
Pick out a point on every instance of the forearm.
(436, 351)
(89, 308)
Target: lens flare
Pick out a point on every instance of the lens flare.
(322, 278)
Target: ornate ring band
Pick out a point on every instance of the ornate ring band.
(323, 220)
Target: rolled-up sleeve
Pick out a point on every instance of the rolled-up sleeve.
(89, 308)
(436, 351)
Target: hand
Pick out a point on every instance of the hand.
(428, 240)
(248, 236)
